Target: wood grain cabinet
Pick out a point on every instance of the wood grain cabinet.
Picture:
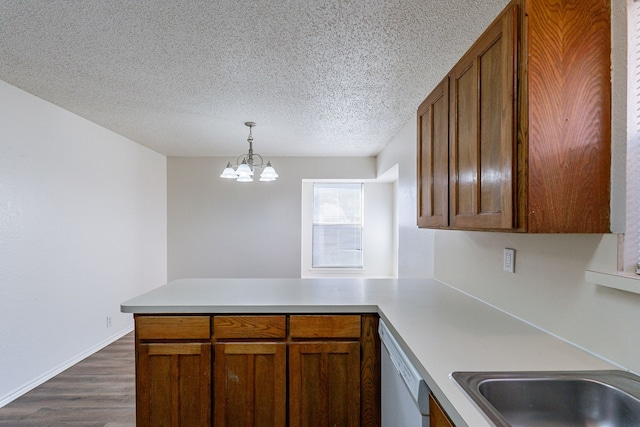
(517, 137)
(264, 370)
(324, 371)
(250, 371)
(433, 158)
(173, 371)
(437, 416)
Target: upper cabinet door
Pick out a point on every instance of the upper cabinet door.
(482, 130)
(529, 125)
(567, 86)
(433, 158)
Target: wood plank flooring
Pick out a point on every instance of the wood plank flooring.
(96, 392)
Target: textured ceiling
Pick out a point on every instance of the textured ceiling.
(320, 77)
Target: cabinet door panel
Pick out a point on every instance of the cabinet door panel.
(324, 380)
(482, 130)
(569, 116)
(465, 141)
(174, 385)
(433, 158)
(490, 67)
(250, 384)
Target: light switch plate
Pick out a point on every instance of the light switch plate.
(509, 264)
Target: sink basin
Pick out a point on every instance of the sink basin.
(555, 399)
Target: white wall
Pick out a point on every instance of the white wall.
(415, 247)
(378, 234)
(82, 229)
(548, 288)
(223, 228)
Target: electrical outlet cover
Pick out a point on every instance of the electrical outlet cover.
(509, 264)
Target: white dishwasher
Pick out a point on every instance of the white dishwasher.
(405, 396)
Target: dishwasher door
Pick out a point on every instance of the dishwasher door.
(405, 396)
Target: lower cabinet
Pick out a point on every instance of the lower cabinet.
(275, 370)
(173, 377)
(250, 386)
(437, 416)
(324, 384)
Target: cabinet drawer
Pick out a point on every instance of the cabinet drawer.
(173, 327)
(325, 326)
(249, 327)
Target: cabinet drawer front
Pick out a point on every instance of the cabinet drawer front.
(325, 326)
(249, 327)
(173, 327)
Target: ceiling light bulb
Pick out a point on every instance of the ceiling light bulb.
(269, 173)
(228, 172)
(244, 170)
(244, 178)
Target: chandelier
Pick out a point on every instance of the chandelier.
(246, 164)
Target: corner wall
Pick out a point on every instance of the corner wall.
(83, 228)
(415, 246)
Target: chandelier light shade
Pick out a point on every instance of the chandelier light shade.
(246, 164)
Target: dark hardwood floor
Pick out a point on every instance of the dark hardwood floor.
(96, 392)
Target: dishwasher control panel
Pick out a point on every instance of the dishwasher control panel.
(414, 382)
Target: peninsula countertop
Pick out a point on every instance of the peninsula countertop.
(441, 329)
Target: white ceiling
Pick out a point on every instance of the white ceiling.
(320, 77)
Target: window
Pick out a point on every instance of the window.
(632, 232)
(337, 226)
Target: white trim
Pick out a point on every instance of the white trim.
(11, 396)
(627, 282)
(632, 228)
(337, 270)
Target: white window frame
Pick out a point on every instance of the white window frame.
(631, 261)
(356, 223)
(625, 174)
(380, 229)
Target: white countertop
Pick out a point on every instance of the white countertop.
(441, 329)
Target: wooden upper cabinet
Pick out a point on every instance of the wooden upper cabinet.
(529, 125)
(482, 144)
(565, 64)
(433, 158)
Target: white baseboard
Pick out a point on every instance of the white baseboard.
(11, 396)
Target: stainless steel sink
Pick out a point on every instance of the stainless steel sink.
(555, 399)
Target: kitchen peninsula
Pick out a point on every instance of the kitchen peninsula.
(441, 329)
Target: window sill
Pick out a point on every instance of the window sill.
(337, 270)
(627, 282)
